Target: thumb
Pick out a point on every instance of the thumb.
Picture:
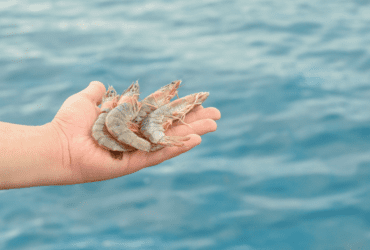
(94, 92)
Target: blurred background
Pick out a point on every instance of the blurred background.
(288, 167)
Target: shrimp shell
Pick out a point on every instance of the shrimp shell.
(154, 126)
(99, 130)
(157, 99)
(119, 120)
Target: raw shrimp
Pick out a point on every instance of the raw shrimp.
(119, 120)
(157, 122)
(99, 130)
(157, 99)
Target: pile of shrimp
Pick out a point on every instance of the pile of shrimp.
(126, 125)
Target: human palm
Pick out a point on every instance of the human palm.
(89, 162)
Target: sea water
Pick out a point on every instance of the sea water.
(287, 168)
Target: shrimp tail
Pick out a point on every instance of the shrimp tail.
(170, 141)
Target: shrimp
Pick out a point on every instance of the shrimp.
(119, 120)
(99, 130)
(157, 99)
(157, 122)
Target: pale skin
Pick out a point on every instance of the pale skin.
(63, 152)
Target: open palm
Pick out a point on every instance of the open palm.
(89, 162)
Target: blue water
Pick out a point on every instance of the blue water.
(288, 167)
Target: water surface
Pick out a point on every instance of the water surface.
(289, 166)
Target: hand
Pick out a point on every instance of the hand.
(89, 162)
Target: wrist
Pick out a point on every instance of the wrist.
(30, 156)
(59, 153)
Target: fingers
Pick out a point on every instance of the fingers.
(201, 120)
(140, 159)
(144, 159)
(199, 127)
(94, 92)
(199, 113)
